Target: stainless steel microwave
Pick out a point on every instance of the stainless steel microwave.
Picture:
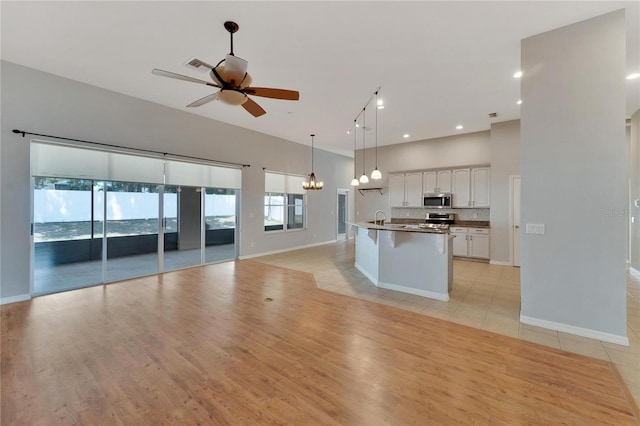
(438, 201)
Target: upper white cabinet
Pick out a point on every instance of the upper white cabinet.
(461, 187)
(480, 187)
(436, 181)
(471, 187)
(396, 190)
(405, 190)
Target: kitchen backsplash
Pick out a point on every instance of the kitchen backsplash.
(418, 213)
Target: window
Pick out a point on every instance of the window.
(283, 209)
(284, 202)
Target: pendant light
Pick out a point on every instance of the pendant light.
(364, 178)
(375, 174)
(312, 183)
(355, 181)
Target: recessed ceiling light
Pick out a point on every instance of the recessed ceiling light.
(380, 106)
(357, 125)
(380, 102)
(519, 101)
(633, 76)
(459, 126)
(348, 132)
(406, 135)
(517, 74)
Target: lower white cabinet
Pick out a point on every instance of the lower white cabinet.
(470, 242)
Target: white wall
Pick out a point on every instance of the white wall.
(43, 103)
(505, 162)
(634, 191)
(573, 152)
(448, 152)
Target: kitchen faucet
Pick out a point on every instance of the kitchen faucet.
(375, 217)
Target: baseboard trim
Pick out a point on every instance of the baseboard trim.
(267, 253)
(14, 299)
(366, 274)
(500, 263)
(424, 293)
(578, 331)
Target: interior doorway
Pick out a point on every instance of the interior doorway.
(342, 213)
(514, 196)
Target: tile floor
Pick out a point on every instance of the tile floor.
(483, 296)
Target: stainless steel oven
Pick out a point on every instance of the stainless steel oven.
(438, 201)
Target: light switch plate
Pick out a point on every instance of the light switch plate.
(535, 228)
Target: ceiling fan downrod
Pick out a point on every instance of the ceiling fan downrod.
(232, 27)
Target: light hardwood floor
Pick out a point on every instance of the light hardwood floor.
(484, 296)
(204, 346)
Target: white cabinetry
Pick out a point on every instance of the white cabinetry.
(470, 242)
(405, 190)
(480, 187)
(461, 185)
(436, 181)
(460, 240)
(471, 187)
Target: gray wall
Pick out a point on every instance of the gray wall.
(505, 162)
(43, 103)
(634, 191)
(447, 152)
(573, 152)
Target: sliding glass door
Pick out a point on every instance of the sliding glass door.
(67, 234)
(182, 227)
(220, 224)
(132, 230)
(119, 216)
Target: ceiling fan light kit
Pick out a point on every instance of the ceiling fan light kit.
(233, 81)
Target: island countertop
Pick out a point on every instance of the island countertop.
(402, 227)
(407, 259)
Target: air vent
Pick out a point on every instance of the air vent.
(197, 64)
(493, 114)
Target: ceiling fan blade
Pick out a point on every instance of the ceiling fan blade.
(235, 69)
(202, 101)
(169, 74)
(267, 92)
(253, 108)
(200, 62)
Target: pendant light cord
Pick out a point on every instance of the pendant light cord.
(312, 136)
(376, 129)
(355, 133)
(364, 129)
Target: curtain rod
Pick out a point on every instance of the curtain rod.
(131, 149)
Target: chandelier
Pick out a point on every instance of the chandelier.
(312, 183)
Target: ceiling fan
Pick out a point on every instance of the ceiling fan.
(233, 81)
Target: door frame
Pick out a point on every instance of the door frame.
(512, 179)
(345, 192)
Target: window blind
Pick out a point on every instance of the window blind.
(283, 183)
(56, 160)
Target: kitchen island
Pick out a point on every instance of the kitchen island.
(405, 258)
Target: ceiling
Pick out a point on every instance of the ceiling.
(439, 64)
